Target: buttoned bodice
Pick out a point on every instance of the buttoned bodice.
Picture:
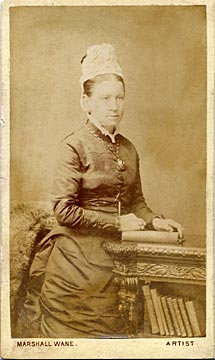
(90, 183)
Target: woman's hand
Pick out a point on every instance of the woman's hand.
(131, 222)
(168, 225)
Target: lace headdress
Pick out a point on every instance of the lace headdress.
(99, 60)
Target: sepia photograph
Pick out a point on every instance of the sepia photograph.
(107, 185)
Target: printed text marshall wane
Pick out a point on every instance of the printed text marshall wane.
(34, 343)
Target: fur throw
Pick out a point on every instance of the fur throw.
(29, 223)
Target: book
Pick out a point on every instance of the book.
(179, 317)
(163, 316)
(185, 317)
(167, 316)
(157, 311)
(193, 318)
(173, 316)
(151, 310)
(146, 236)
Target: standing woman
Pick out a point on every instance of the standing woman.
(97, 194)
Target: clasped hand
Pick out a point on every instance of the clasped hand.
(131, 222)
(168, 225)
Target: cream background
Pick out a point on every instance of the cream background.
(133, 348)
(162, 52)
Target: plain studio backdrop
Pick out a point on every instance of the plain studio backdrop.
(162, 51)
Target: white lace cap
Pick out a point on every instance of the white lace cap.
(99, 60)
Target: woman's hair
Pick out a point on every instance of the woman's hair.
(88, 84)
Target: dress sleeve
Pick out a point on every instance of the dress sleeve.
(67, 188)
(139, 205)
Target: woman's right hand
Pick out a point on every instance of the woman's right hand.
(131, 222)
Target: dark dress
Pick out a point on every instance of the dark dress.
(71, 275)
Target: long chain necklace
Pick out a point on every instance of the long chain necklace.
(120, 162)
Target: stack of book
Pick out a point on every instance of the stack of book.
(171, 316)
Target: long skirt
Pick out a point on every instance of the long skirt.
(78, 298)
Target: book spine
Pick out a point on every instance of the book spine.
(157, 311)
(167, 316)
(185, 317)
(179, 318)
(193, 318)
(163, 316)
(151, 236)
(173, 315)
(151, 310)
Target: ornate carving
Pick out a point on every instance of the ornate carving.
(173, 252)
(128, 269)
(119, 249)
(124, 251)
(160, 270)
(136, 262)
(128, 300)
(129, 282)
(171, 271)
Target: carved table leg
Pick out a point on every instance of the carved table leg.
(128, 303)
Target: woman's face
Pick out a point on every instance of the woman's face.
(106, 103)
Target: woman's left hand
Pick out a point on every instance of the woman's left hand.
(168, 225)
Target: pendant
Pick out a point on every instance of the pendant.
(121, 164)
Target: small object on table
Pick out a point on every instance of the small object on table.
(151, 236)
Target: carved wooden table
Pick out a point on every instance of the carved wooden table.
(139, 263)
